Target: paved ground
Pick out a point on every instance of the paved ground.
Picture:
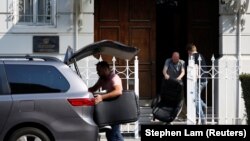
(126, 138)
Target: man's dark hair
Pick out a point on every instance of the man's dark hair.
(191, 47)
(102, 64)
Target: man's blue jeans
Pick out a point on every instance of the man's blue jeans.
(114, 134)
(200, 103)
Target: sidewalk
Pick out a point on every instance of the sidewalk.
(126, 138)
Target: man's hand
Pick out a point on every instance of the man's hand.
(98, 99)
(179, 79)
(166, 76)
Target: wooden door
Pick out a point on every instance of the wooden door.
(131, 22)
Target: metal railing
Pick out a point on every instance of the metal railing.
(220, 94)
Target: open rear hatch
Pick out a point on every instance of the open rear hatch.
(107, 47)
(124, 108)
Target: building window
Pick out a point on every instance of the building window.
(36, 12)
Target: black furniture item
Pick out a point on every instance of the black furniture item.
(123, 109)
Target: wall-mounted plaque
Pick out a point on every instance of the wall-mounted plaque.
(46, 44)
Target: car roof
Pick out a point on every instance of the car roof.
(29, 58)
(34, 60)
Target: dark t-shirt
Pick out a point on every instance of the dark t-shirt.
(174, 69)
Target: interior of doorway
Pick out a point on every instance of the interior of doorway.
(170, 33)
(177, 23)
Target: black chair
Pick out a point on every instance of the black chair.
(169, 102)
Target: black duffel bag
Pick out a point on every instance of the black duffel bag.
(119, 110)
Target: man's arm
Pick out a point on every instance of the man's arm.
(95, 87)
(165, 68)
(116, 92)
(182, 70)
(196, 70)
(181, 75)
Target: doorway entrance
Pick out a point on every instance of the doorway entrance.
(158, 27)
(179, 22)
(170, 33)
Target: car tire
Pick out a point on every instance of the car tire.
(30, 134)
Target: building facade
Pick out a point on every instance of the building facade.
(45, 27)
(48, 27)
(234, 39)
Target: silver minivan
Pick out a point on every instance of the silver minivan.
(43, 99)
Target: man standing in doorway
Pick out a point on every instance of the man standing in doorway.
(174, 68)
(201, 85)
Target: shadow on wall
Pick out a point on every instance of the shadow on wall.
(229, 9)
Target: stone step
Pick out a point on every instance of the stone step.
(146, 116)
(145, 110)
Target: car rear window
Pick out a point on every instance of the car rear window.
(26, 79)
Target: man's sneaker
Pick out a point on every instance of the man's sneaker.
(105, 128)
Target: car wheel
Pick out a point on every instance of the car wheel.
(29, 134)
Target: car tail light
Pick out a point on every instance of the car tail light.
(82, 102)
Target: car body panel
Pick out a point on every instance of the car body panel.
(5, 104)
(55, 113)
(5, 99)
(51, 110)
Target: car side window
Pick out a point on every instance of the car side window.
(26, 79)
(4, 89)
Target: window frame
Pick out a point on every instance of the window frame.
(35, 15)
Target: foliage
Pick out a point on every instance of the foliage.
(245, 84)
